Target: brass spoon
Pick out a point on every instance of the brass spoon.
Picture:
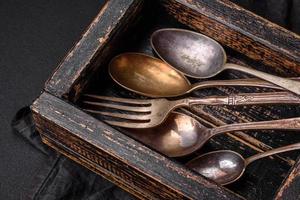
(181, 135)
(199, 56)
(227, 166)
(152, 77)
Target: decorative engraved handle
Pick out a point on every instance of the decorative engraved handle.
(248, 99)
(282, 124)
(264, 98)
(291, 147)
(291, 85)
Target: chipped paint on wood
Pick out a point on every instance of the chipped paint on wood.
(78, 59)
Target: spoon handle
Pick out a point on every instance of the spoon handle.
(248, 99)
(290, 147)
(250, 82)
(291, 85)
(281, 124)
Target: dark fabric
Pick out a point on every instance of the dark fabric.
(34, 36)
(62, 178)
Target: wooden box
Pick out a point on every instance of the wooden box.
(126, 25)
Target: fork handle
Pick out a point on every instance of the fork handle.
(248, 99)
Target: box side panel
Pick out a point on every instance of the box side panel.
(83, 59)
(290, 189)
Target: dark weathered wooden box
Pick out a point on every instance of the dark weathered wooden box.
(125, 25)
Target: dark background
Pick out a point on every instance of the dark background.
(34, 36)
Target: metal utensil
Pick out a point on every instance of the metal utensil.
(199, 56)
(152, 77)
(227, 166)
(149, 113)
(181, 135)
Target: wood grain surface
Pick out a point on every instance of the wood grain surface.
(240, 30)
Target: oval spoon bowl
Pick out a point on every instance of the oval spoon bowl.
(224, 166)
(147, 75)
(191, 53)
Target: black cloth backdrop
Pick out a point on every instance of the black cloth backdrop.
(35, 36)
(62, 178)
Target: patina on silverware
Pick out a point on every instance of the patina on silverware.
(181, 135)
(227, 166)
(147, 113)
(152, 77)
(199, 56)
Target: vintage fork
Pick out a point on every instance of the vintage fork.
(147, 113)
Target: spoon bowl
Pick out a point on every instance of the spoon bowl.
(222, 166)
(178, 136)
(191, 53)
(147, 75)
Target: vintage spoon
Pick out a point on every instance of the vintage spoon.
(227, 166)
(199, 56)
(152, 77)
(181, 135)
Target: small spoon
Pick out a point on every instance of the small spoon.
(181, 134)
(152, 77)
(199, 56)
(227, 166)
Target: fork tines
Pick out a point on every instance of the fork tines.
(136, 112)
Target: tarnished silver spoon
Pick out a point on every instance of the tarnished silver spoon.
(227, 166)
(199, 56)
(152, 77)
(181, 134)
